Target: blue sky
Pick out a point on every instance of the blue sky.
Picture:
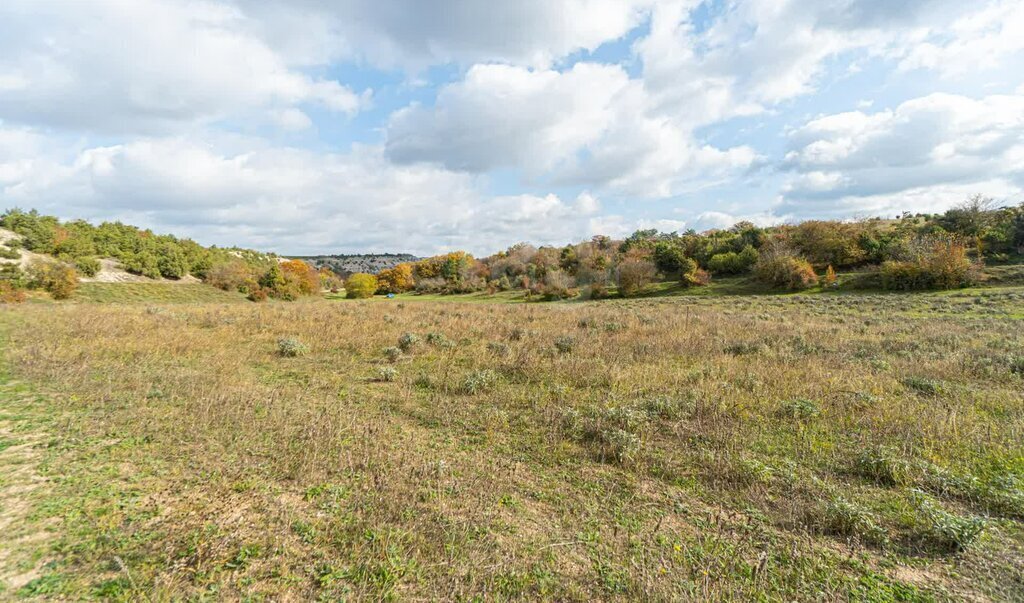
(316, 126)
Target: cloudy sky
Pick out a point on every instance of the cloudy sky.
(312, 126)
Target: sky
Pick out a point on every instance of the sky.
(421, 126)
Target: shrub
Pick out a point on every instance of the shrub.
(57, 279)
(89, 266)
(698, 278)
(144, 263)
(830, 279)
(882, 466)
(924, 386)
(785, 271)
(393, 354)
(558, 285)
(291, 348)
(931, 263)
(9, 294)
(258, 294)
(232, 275)
(732, 262)
(944, 529)
(408, 341)
(1017, 365)
(565, 344)
(800, 409)
(438, 339)
(9, 254)
(479, 381)
(634, 275)
(387, 374)
(360, 286)
(846, 518)
(615, 431)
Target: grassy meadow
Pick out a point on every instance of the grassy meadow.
(831, 446)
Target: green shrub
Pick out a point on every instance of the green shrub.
(849, 519)
(565, 344)
(945, 530)
(882, 466)
(924, 386)
(438, 340)
(9, 254)
(393, 354)
(613, 431)
(88, 265)
(387, 374)
(291, 348)
(407, 341)
(800, 409)
(732, 262)
(479, 381)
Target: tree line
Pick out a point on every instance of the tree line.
(922, 251)
(74, 249)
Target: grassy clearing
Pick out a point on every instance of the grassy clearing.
(806, 447)
(170, 293)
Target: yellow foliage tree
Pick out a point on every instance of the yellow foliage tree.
(360, 286)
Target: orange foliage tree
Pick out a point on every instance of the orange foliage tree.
(303, 276)
(396, 280)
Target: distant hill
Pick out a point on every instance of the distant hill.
(346, 265)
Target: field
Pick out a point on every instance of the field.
(837, 446)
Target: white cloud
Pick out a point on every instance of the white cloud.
(144, 65)
(759, 53)
(982, 39)
(414, 34)
(282, 199)
(585, 126)
(937, 142)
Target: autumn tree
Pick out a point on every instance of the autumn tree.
(360, 286)
(304, 277)
(396, 280)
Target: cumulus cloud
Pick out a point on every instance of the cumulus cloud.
(588, 125)
(981, 39)
(414, 34)
(756, 54)
(145, 66)
(283, 199)
(941, 142)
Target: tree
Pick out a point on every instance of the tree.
(396, 280)
(971, 218)
(273, 278)
(171, 261)
(360, 286)
(303, 276)
(670, 259)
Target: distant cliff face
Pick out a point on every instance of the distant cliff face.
(371, 263)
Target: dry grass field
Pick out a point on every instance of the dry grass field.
(808, 447)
